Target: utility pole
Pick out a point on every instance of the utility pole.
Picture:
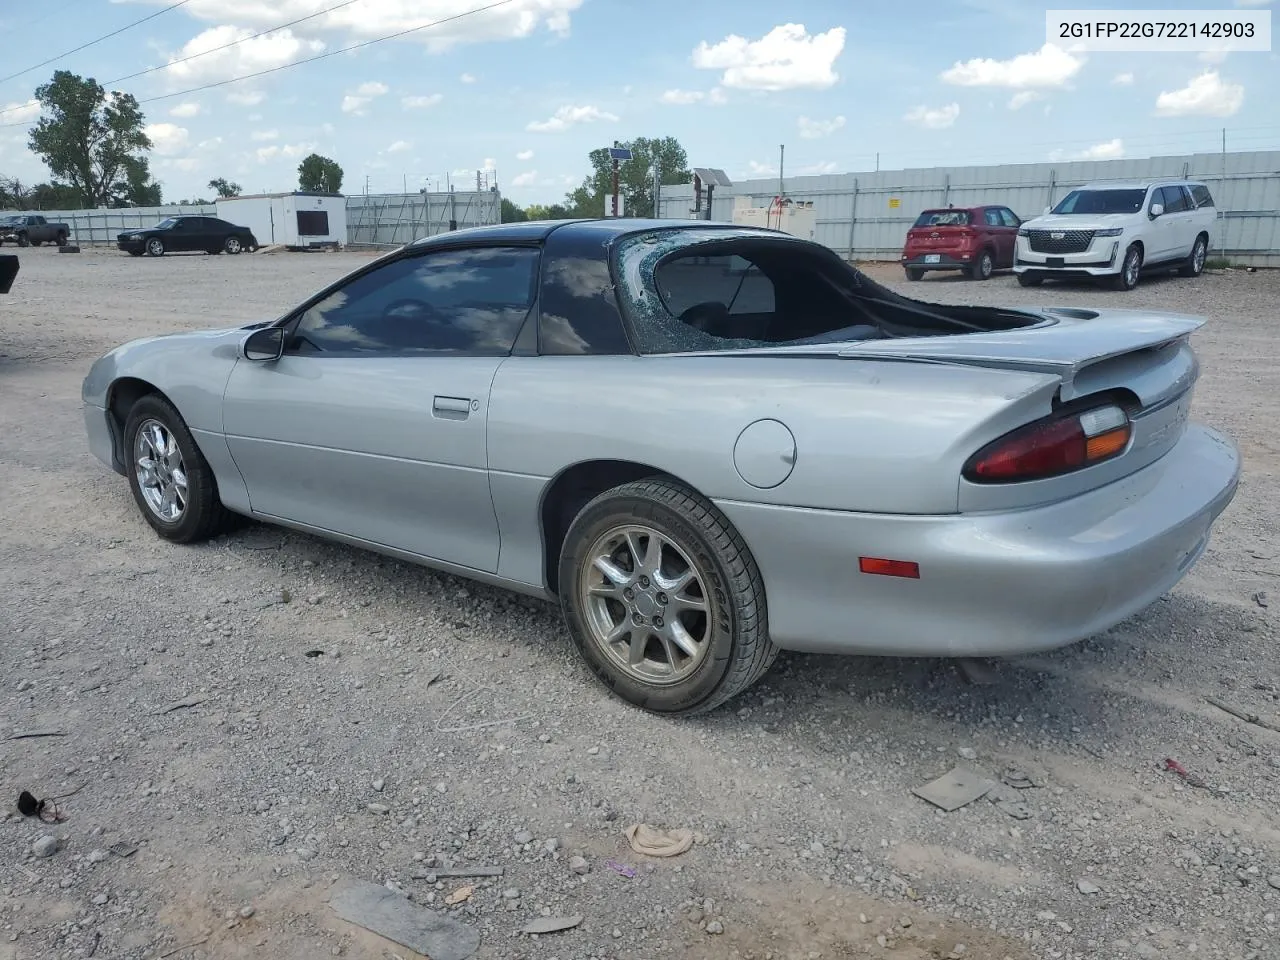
(657, 188)
(782, 155)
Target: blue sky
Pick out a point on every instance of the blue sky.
(528, 88)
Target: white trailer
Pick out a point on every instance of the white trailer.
(298, 220)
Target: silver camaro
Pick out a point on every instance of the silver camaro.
(706, 442)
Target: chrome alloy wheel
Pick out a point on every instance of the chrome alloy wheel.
(1198, 256)
(162, 476)
(1132, 264)
(646, 604)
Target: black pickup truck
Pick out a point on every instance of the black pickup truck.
(32, 230)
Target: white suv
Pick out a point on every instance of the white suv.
(1117, 231)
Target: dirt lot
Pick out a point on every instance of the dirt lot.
(460, 713)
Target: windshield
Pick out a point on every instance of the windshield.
(168, 223)
(1102, 201)
(9, 220)
(943, 218)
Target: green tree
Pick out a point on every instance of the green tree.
(90, 139)
(512, 213)
(226, 188)
(635, 177)
(317, 174)
(536, 211)
(53, 196)
(138, 189)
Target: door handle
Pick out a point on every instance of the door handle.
(451, 408)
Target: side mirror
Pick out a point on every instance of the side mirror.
(263, 345)
(1157, 210)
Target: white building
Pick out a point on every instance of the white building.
(297, 220)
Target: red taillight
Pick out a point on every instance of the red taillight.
(1052, 447)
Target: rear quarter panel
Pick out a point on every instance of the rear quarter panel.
(870, 436)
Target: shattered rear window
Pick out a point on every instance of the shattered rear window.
(943, 218)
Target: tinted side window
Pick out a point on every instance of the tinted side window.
(1201, 196)
(992, 216)
(1175, 200)
(453, 301)
(730, 282)
(1009, 217)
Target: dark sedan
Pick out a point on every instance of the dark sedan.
(187, 234)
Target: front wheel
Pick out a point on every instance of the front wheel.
(155, 247)
(23, 241)
(663, 599)
(232, 245)
(172, 483)
(1195, 263)
(1130, 270)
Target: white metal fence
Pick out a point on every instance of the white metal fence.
(372, 220)
(866, 215)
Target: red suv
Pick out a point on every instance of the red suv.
(975, 240)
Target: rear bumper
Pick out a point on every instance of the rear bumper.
(991, 584)
(946, 261)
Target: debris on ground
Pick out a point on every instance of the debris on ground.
(955, 789)
(1019, 779)
(392, 915)
(180, 705)
(1180, 770)
(123, 849)
(465, 873)
(29, 734)
(621, 868)
(551, 924)
(460, 895)
(1242, 714)
(653, 842)
(45, 847)
(1088, 887)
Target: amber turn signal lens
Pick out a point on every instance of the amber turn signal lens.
(1106, 444)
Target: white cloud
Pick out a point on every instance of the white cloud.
(20, 112)
(756, 169)
(1050, 66)
(186, 110)
(247, 98)
(363, 21)
(418, 103)
(247, 56)
(1205, 96)
(682, 96)
(265, 135)
(525, 179)
(1123, 79)
(524, 155)
(185, 164)
(1214, 56)
(467, 78)
(168, 138)
(1023, 97)
(816, 129)
(289, 151)
(355, 101)
(1111, 150)
(400, 146)
(933, 118)
(568, 116)
(489, 164)
(818, 169)
(785, 58)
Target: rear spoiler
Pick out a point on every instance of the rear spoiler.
(8, 270)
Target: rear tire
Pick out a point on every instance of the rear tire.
(982, 267)
(176, 492)
(232, 245)
(713, 604)
(1029, 280)
(1195, 262)
(62, 239)
(914, 274)
(1130, 270)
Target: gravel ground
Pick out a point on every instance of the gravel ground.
(444, 724)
